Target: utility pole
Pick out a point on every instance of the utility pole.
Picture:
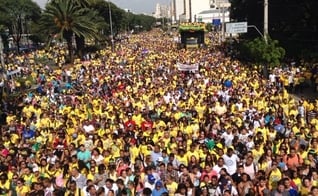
(1, 54)
(265, 20)
(265, 33)
(223, 22)
(4, 70)
(111, 26)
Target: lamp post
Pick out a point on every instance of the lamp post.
(265, 20)
(4, 70)
(1, 54)
(111, 26)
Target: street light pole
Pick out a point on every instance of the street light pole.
(4, 70)
(265, 20)
(223, 23)
(1, 54)
(111, 26)
(258, 31)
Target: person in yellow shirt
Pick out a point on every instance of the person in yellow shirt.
(257, 152)
(4, 184)
(171, 185)
(182, 158)
(274, 176)
(21, 188)
(72, 190)
(28, 177)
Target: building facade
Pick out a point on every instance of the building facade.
(199, 10)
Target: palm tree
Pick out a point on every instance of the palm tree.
(67, 18)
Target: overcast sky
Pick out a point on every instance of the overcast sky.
(137, 6)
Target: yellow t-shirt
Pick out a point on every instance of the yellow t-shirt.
(22, 190)
(257, 153)
(274, 177)
(172, 188)
(5, 186)
(183, 160)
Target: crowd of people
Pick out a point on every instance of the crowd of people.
(131, 122)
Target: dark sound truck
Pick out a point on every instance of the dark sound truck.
(192, 35)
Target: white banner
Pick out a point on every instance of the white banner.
(14, 72)
(186, 67)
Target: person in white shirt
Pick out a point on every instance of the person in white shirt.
(250, 143)
(231, 160)
(243, 136)
(48, 187)
(228, 137)
(226, 188)
(272, 78)
(90, 188)
(110, 185)
(220, 164)
(79, 178)
(150, 183)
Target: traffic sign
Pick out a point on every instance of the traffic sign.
(216, 22)
(236, 27)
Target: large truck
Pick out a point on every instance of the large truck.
(192, 35)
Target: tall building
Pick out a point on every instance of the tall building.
(178, 10)
(162, 11)
(157, 13)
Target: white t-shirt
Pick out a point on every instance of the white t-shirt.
(272, 78)
(88, 128)
(231, 163)
(114, 188)
(220, 193)
(217, 169)
(250, 170)
(228, 138)
(150, 186)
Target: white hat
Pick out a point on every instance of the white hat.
(35, 169)
(160, 159)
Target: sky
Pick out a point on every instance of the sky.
(136, 6)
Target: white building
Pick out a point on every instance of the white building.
(162, 11)
(207, 16)
(198, 10)
(178, 10)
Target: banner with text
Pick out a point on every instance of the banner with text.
(188, 67)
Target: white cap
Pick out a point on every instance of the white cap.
(35, 169)
(160, 159)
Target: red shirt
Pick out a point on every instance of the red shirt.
(210, 174)
(146, 125)
(130, 124)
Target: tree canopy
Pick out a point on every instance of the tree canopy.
(66, 18)
(259, 51)
(16, 16)
(294, 23)
(86, 19)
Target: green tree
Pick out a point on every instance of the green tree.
(67, 19)
(118, 16)
(16, 16)
(260, 52)
(144, 21)
(294, 23)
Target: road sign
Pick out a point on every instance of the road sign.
(236, 27)
(216, 22)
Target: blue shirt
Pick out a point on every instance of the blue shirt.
(293, 192)
(28, 134)
(84, 156)
(159, 192)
